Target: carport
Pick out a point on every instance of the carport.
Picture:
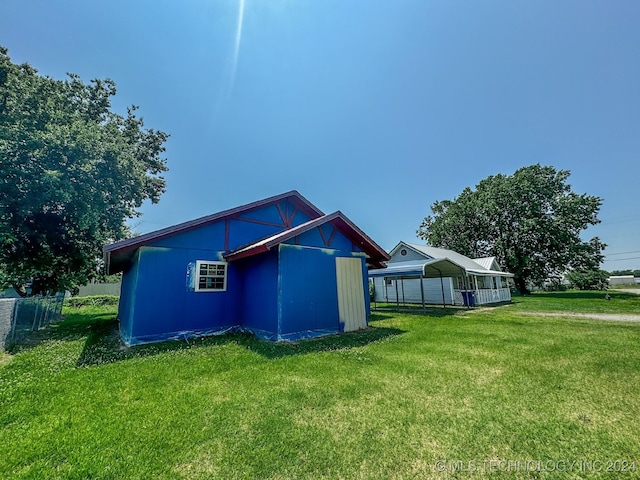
(435, 268)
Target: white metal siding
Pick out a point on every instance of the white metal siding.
(432, 290)
(351, 307)
(411, 255)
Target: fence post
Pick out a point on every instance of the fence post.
(35, 315)
(14, 320)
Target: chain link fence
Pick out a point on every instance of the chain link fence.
(19, 316)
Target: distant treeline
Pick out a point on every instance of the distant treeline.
(635, 273)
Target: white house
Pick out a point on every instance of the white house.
(429, 275)
(621, 280)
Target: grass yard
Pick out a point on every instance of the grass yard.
(483, 391)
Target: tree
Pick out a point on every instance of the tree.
(530, 221)
(71, 173)
(635, 273)
(588, 279)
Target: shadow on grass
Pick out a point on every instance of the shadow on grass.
(72, 327)
(573, 295)
(573, 300)
(430, 311)
(103, 344)
(577, 295)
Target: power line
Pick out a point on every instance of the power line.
(621, 259)
(622, 253)
(627, 218)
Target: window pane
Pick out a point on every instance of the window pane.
(211, 276)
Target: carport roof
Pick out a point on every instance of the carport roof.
(434, 268)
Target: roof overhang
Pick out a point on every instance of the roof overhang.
(489, 273)
(376, 256)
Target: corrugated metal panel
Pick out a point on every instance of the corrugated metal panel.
(210, 237)
(351, 302)
(488, 263)
(307, 291)
(127, 302)
(166, 308)
(260, 294)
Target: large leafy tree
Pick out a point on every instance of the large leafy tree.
(71, 173)
(530, 221)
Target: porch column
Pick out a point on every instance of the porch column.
(424, 308)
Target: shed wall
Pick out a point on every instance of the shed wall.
(127, 301)
(324, 236)
(208, 237)
(243, 230)
(166, 308)
(308, 291)
(259, 311)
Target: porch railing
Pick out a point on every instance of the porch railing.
(483, 296)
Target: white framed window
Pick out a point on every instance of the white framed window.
(211, 276)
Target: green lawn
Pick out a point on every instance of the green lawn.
(481, 387)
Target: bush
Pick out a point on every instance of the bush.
(589, 279)
(93, 301)
(555, 286)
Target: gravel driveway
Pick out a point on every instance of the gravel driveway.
(596, 316)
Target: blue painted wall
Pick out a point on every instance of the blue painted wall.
(260, 294)
(308, 294)
(165, 305)
(126, 304)
(210, 237)
(241, 232)
(313, 238)
(308, 304)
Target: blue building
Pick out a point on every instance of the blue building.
(279, 268)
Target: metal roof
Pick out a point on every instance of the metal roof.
(376, 255)
(487, 262)
(434, 252)
(452, 263)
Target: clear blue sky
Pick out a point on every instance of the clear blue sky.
(376, 108)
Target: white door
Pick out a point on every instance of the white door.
(351, 307)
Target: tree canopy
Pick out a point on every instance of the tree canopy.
(71, 173)
(530, 221)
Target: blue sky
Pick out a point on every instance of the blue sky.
(376, 108)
